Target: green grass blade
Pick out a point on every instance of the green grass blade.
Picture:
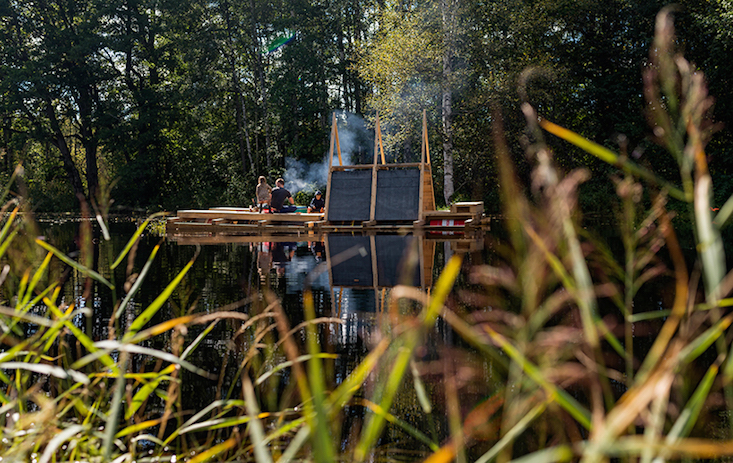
(405, 426)
(195, 418)
(610, 157)
(8, 224)
(725, 213)
(699, 345)
(110, 429)
(287, 364)
(710, 244)
(422, 395)
(324, 451)
(36, 278)
(138, 281)
(133, 239)
(691, 412)
(550, 455)
(256, 431)
(295, 444)
(45, 369)
(133, 349)
(6, 243)
(510, 437)
(57, 440)
(153, 308)
(70, 262)
(564, 399)
(137, 427)
(651, 315)
(143, 394)
(191, 347)
(84, 340)
(346, 390)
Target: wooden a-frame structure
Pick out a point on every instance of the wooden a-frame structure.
(379, 192)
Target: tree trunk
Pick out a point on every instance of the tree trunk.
(448, 13)
(245, 150)
(356, 36)
(89, 139)
(260, 73)
(59, 141)
(7, 150)
(242, 131)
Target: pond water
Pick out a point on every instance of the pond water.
(351, 278)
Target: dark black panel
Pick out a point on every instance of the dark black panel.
(398, 195)
(356, 271)
(391, 268)
(350, 196)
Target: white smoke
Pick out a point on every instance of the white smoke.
(354, 139)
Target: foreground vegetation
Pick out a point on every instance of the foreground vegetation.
(556, 321)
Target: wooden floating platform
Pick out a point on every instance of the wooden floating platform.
(241, 221)
(378, 197)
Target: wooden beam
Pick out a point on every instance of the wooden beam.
(335, 143)
(336, 137)
(373, 198)
(356, 167)
(246, 216)
(328, 191)
(378, 139)
(426, 145)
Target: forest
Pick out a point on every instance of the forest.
(160, 104)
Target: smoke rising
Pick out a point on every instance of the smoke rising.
(357, 143)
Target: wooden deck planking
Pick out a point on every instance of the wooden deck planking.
(247, 216)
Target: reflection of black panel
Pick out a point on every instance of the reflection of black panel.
(350, 195)
(392, 251)
(398, 194)
(356, 271)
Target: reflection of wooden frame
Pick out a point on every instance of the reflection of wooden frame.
(426, 200)
(426, 257)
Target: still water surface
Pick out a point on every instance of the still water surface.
(351, 278)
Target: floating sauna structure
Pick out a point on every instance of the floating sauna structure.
(381, 196)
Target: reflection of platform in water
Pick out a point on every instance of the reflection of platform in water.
(362, 269)
(381, 261)
(461, 242)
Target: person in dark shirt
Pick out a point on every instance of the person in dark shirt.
(318, 203)
(279, 195)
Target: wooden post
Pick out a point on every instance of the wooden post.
(378, 139)
(427, 199)
(334, 140)
(335, 135)
(421, 187)
(426, 146)
(373, 199)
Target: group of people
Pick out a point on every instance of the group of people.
(274, 198)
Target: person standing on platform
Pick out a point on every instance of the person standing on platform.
(263, 193)
(318, 203)
(278, 196)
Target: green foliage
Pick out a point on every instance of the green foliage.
(178, 104)
(306, 194)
